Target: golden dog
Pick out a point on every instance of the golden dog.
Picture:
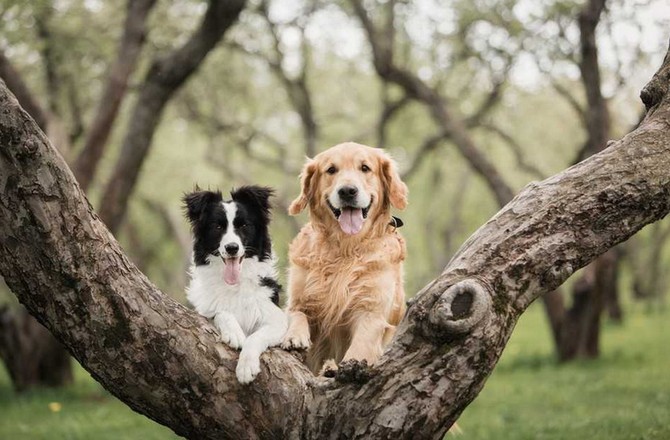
(345, 279)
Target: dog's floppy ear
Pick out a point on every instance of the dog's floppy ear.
(256, 196)
(394, 187)
(307, 188)
(196, 203)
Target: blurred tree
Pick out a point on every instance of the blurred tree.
(576, 330)
(164, 77)
(580, 325)
(130, 46)
(31, 354)
(646, 256)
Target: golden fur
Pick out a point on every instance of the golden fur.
(346, 291)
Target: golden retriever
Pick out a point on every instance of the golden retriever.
(345, 278)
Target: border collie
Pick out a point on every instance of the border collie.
(233, 277)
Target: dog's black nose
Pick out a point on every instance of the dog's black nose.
(232, 248)
(347, 193)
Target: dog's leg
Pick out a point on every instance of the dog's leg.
(269, 334)
(231, 332)
(367, 338)
(297, 335)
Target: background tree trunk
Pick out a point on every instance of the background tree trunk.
(30, 357)
(580, 325)
(579, 334)
(131, 44)
(19, 88)
(165, 76)
(165, 361)
(31, 354)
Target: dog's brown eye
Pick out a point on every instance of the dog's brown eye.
(365, 168)
(331, 170)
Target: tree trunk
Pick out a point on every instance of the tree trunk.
(579, 335)
(132, 41)
(19, 88)
(32, 356)
(609, 270)
(165, 361)
(166, 75)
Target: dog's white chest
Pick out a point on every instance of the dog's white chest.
(210, 295)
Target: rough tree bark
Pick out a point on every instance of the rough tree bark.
(165, 76)
(130, 46)
(165, 361)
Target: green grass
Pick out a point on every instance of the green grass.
(87, 411)
(623, 395)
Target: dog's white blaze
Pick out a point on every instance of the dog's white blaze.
(230, 237)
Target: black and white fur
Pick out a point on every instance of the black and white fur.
(235, 232)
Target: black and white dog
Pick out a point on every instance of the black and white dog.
(233, 277)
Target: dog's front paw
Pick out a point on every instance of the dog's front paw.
(234, 338)
(329, 368)
(296, 341)
(230, 331)
(248, 367)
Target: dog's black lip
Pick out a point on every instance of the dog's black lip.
(337, 212)
(216, 253)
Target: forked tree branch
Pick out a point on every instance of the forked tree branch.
(166, 362)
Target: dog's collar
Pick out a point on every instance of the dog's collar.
(396, 222)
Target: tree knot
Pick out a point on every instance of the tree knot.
(461, 307)
(657, 88)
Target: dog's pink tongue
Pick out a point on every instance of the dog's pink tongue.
(351, 220)
(231, 271)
